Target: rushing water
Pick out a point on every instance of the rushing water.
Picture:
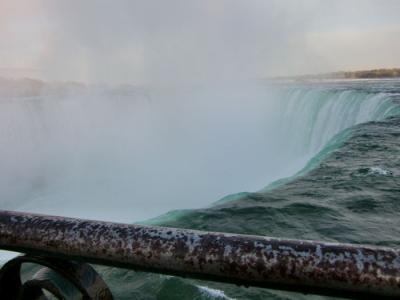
(129, 155)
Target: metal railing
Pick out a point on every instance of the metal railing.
(65, 246)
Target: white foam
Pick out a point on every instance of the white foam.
(214, 293)
(380, 171)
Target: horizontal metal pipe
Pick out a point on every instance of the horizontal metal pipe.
(305, 266)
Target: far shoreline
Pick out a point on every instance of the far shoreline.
(383, 73)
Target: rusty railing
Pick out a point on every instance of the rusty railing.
(65, 246)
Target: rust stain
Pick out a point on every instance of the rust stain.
(242, 259)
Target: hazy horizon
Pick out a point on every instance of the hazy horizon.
(142, 42)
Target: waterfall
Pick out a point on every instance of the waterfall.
(128, 155)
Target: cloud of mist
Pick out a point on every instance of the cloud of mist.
(127, 155)
(178, 41)
(174, 41)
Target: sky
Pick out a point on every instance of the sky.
(175, 41)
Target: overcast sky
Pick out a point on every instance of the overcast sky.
(188, 40)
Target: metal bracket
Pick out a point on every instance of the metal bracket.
(62, 278)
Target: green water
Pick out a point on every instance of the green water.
(348, 192)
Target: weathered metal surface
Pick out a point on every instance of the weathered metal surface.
(64, 279)
(306, 266)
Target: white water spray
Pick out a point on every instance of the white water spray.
(128, 155)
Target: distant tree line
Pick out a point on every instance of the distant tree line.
(377, 73)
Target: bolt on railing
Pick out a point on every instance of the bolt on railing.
(61, 244)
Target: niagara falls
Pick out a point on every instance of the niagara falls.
(213, 121)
